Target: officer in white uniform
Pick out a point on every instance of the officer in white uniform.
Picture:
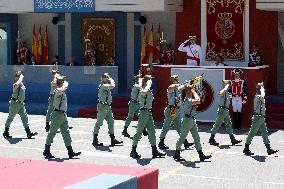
(192, 50)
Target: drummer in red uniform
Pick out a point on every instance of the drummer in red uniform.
(239, 97)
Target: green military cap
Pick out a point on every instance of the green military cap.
(54, 72)
(106, 75)
(18, 73)
(226, 82)
(147, 77)
(60, 79)
(136, 77)
(174, 78)
(259, 85)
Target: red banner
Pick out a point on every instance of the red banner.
(225, 26)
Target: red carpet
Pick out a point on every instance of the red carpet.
(23, 174)
(275, 116)
(119, 109)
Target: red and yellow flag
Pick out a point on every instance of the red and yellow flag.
(150, 46)
(158, 46)
(34, 45)
(143, 47)
(45, 47)
(39, 47)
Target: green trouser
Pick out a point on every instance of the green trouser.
(50, 107)
(104, 113)
(14, 109)
(258, 124)
(145, 120)
(189, 124)
(222, 116)
(168, 121)
(59, 121)
(133, 109)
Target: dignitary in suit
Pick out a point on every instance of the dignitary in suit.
(255, 57)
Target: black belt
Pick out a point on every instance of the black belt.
(146, 109)
(54, 109)
(18, 101)
(189, 116)
(104, 103)
(224, 107)
(171, 106)
(132, 100)
(256, 114)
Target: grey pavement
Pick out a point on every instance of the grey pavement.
(228, 168)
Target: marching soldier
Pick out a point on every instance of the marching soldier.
(258, 122)
(133, 105)
(172, 112)
(193, 51)
(223, 115)
(104, 110)
(17, 106)
(145, 120)
(59, 120)
(189, 123)
(239, 97)
(54, 73)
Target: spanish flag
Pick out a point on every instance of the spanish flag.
(150, 46)
(34, 45)
(158, 47)
(45, 47)
(143, 47)
(39, 47)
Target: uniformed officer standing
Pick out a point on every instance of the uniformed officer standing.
(223, 115)
(172, 112)
(59, 120)
(145, 119)
(17, 106)
(193, 51)
(258, 122)
(133, 104)
(54, 73)
(189, 123)
(104, 110)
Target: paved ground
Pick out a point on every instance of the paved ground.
(227, 169)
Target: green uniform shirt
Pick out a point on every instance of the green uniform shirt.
(225, 100)
(19, 93)
(104, 94)
(60, 101)
(189, 109)
(146, 101)
(134, 93)
(259, 105)
(174, 96)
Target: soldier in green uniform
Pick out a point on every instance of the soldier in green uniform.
(59, 120)
(133, 105)
(17, 106)
(145, 119)
(54, 73)
(189, 123)
(223, 115)
(104, 110)
(258, 122)
(172, 112)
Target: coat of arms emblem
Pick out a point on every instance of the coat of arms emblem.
(225, 27)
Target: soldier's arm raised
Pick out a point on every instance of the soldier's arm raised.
(62, 89)
(111, 84)
(223, 91)
(147, 88)
(262, 93)
(181, 47)
(19, 82)
(196, 99)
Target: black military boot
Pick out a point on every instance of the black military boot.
(47, 127)
(114, 141)
(270, 150)
(71, 153)
(145, 132)
(156, 153)
(162, 145)
(46, 153)
(212, 140)
(177, 156)
(203, 157)
(6, 133)
(240, 120)
(134, 153)
(186, 144)
(246, 150)
(234, 141)
(96, 141)
(29, 133)
(235, 118)
(125, 133)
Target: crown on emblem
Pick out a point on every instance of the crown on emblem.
(225, 15)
